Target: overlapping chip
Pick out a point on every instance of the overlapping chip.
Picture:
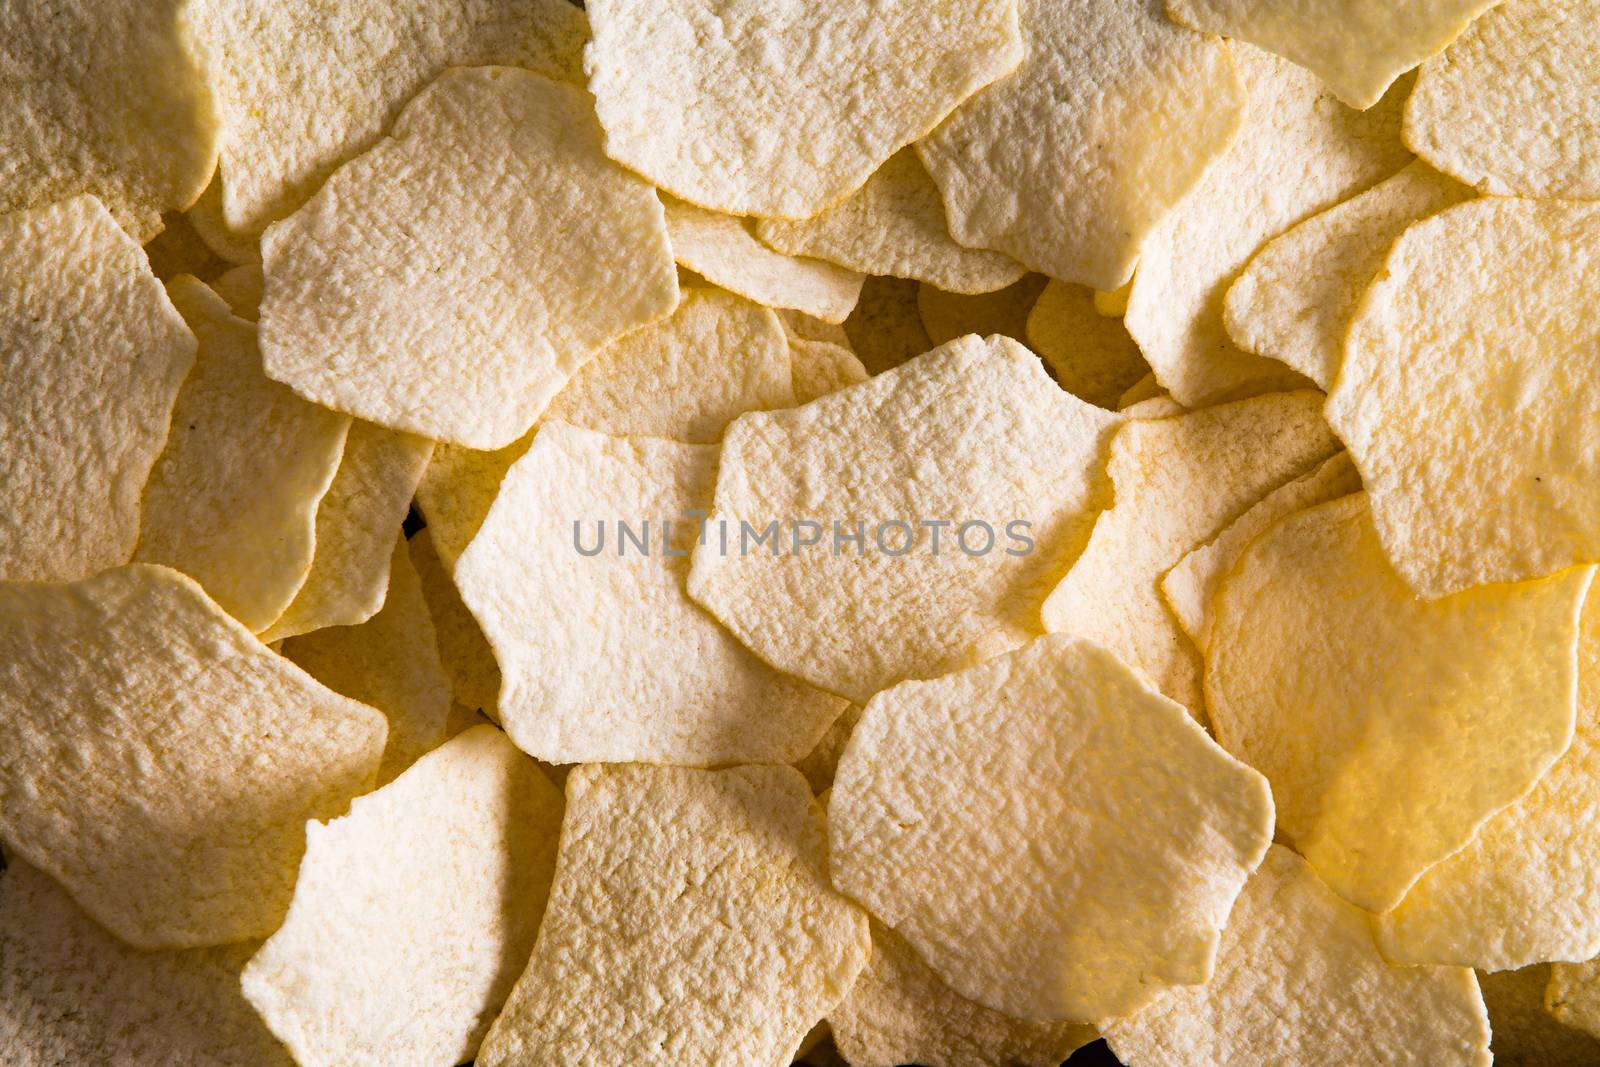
(463, 650)
(817, 368)
(1090, 354)
(1525, 1034)
(1573, 995)
(947, 316)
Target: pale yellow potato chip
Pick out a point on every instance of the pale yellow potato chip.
(899, 1012)
(108, 98)
(1091, 354)
(819, 764)
(1299, 983)
(458, 488)
(232, 501)
(456, 303)
(1295, 300)
(70, 993)
(1525, 1034)
(802, 327)
(354, 66)
(1299, 152)
(1522, 891)
(894, 225)
(885, 327)
(1146, 388)
(94, 354)
(1189, 586)
(947, 316)
(389, 662)
(463, 650)
(1573, 995)
(1178, 481)
(463, 718)
(1055, 839)
(160, 761)
(691, 922)
(751, 109)
(721, 249)
(1070, 163)
(1391, 727)
(206, 218)
(178, 249)
(1513, 104)
(974, 436)
(1161, 406)
(603, 655)
(817, 368)
(241, 287)
(413, 914)
(1469, 399)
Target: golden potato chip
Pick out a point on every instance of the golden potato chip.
(1469, 398)
(1298, 153)
(754, 110)
(947, 316)
(1054, 838)
(108, 98)
(94, 354)
(160, 761)
(463, 650)
(722, 249)
(894, 225)
(1514, 103)
(1146, 388)
(1573, 995)
(819, 764)
(1090, 354)
(456, 303)
(232, 502)
(1069, 164)
(241, 288)
(885, 328)
(577, 578)
(414, 913)
(691, 921)
(1299, 983)
(1391, 727)
(923, 514)
(1178, 481)
(1113, 303)
(70, 993)
(817, 368)
(1525, 1034)
(1295, 300)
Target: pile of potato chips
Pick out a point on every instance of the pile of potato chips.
(741, 531)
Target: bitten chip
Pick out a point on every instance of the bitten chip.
(414, 913)
(1470, 394)
(1525, 1034)
(577, 578)
(1391, 727)
(1299, 983)
(1091, 354)
(456, 303)
(1070, 163)
(1077, 846)
(691, 921)
(755, 110)
(94, 354)
(817, 368)
(160, 761)
(946, 498)
(947, 316)
(463, 650)
(885, 327)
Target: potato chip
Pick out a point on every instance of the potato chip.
(894, 225)
(1298, 153)
(1299, 983)
(1053, 837)
(722, 249)
(241, 288)
(1154, 407)
(604, 656)
(463, 650)
(1146, 388)
(819, 764)
(232, 502)
(900, 1012)
(1391, 727)
(160, 761)
(456, 303)
(799, 326)
(944, 499)
(1512, 105)
(1525, 1034)
(691, 921)
(1178, 481)
(178, 249)
(206, 218)
(947, 316)
(458, 488)
(1113, 303)
(885, 328)
(817, 368)
(94, 355)
(1469, 398)
(1090, 354)
(1573, 995)
(376, 965)
(108, 98)
(1069, 164)
(70, 993)
(1280, 309)
(389, 662)
(754, 110)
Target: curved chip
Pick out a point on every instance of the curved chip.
(1525, 1034)
(456, 303)
(458, 488)
(819, 764)
(1053, 837)
(166, 777)
(1299, 983)
(463, 650)
(691, 921)
(947, 316)
(817, 368)
(1070, 163)
(1573, 995)
(751, 109)
(802, 327)
(1091, 354)
(241, 287)
(414, 913)
(945, 498)
(1391, 727)
(1469, 396)
(885, 328)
